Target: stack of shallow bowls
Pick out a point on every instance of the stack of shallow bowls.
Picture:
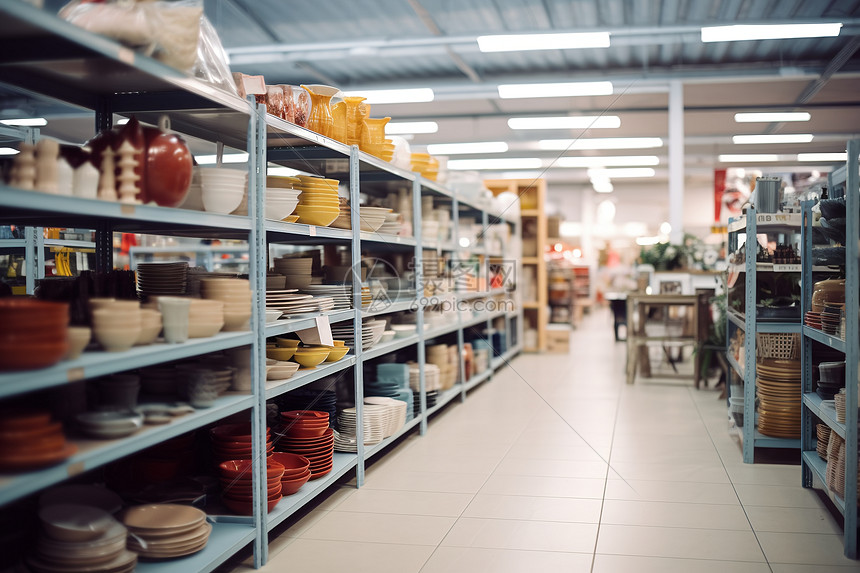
(297, 471)
(205, 317)
(384, 150)
(35, 333)
(205, 383)
(235, 294)
(779, 394)
(237, 483)
(395, 413)
(431, 172)
(222, 188)
(304, 424)
(109, 425)
(117, 324)
(813, 319)
(233, 442)
(80, 538)
(29, 439)
(280, 202)
(318, 204)
(311, 399)
(280, 369)
(372, 218)
(311, 357)
(319, 449)
(432, 379)
(166, 531)
(420, 162)
(162, 278)
(392, 224)
(297, 271)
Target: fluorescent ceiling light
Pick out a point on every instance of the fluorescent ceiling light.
(25, 122)
(407, 127)
(495, 164)
(8, 151)
(827, 157)
(630, 172)
(227, 158)
(566, 122)
(755, 158)
(785, 138)
(461, 148)
(601, 143)
(523, 42)
(602, 186)
(514, 91)
(769, 32)
(413, 95)
(609, 161)
(767, 117)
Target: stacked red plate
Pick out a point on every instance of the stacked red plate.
(233, 442)
(813, 319)
(237, 483)
(297, 471)
(30, 439)
(306, 433)
(35, 333)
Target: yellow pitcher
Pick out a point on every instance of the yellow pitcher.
(320, 119)
(354, 119)
(339, 122)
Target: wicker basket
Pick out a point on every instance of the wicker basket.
(777, 345)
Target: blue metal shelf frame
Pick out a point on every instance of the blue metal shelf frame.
(812, 410)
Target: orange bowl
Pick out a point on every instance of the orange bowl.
(291, 486)
(292, 462)
(241, 468)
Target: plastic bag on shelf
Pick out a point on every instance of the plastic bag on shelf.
(212, 64)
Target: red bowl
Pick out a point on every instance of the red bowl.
(242, 468)
(248, 496)
(31, 355)
(245, 507)
(298, 431)
(321, 472)
(293, 485)
(26, 308)
(309, 415)
(291, 462)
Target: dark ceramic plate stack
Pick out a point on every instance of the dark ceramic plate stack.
(162, 278)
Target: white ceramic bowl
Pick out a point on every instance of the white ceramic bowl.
(222, 201)
(278, 210)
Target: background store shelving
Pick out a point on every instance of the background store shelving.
(119, 81)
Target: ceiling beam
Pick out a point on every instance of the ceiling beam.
(431, 25)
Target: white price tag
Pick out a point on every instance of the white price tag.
(312, 231)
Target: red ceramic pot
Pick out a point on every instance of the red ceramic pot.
(168, 167)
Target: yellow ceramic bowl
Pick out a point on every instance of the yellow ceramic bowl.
(290, 219)
(311, 358)
(282, 354)
(321, 203)
(315, 194)
(282, 182)
(317, 187)
(337, 343)
(337, 353)
(287, 343)
(320, 216)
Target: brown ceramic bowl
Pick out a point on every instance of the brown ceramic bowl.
(238, 468)
(291, 486)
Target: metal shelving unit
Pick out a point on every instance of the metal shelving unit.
(814, 410)
(751, 224)
(118, 80)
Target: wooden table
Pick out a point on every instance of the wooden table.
(638, 305)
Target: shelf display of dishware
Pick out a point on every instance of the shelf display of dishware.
(831, 345)
(148, 369)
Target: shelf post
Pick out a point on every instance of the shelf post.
(355, 221)
(852, 345)
(806, 427)
(749, 338)
(418, 266)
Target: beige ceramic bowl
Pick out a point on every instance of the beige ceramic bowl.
(117, 339)
(235, 320)
(79, 337)
(198, 329)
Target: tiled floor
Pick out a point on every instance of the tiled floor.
(557, 465)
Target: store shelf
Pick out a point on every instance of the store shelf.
(833, 342)
(280, 231)
(47, 210)
(377, 240)
(827, 415)
(100, 363)
(398, 306)
(307, 375)
(388, 347)
(769, 222)
(478, 378)
(818, 468)
(224, 541)
(341, 463)
(69, 244)
(479, 294)
(444, 398)
(95, 453)
(370, 451)
(287, 325)
(442, 331)
(762, 441)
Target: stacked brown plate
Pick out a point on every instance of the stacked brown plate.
(778, 387)
(34, 333)
(30, 439)
(317, 446)
(166, 531)
(162, 278)
(813, 319)
(233, 442)
(823, 434)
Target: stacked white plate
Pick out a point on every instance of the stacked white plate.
(162, 278)
(392, 225)
(371, 332)
(375, 422)
(432, 379)
(395, 412)
(340, 295)
(280, 202)
(291, 303)
(296, 269)
(372, 218)
(167, 530)
(109, 425)
(80, 538)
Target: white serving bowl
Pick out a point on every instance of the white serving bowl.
(278, 210)
(222, 201)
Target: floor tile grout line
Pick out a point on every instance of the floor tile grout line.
(755, 534)
(457, 519)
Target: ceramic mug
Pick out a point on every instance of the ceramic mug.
(174, 317)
